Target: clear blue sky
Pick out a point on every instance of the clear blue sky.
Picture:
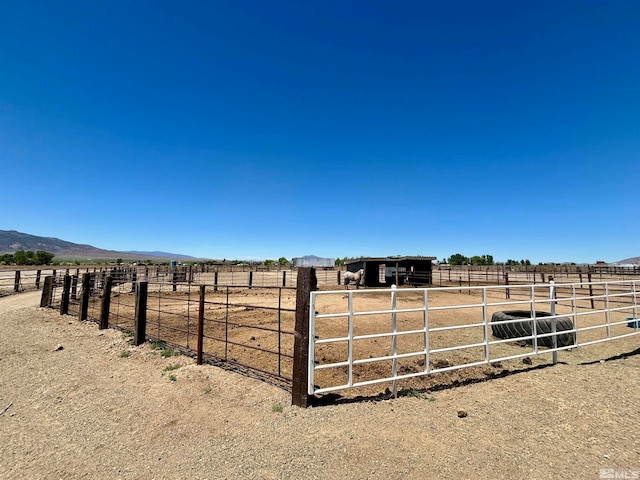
(261, 129)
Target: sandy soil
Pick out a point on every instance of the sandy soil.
(78, 402)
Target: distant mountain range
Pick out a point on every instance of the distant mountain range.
(635, 260)
(11, 241)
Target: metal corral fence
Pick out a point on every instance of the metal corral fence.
(240, 327)
(470, 275)
(366, 337)
(312, 341)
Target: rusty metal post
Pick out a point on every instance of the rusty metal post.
(106, 303)
(307, 282)
(140, 322)
(200, 325)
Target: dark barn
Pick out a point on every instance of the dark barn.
(384, 272)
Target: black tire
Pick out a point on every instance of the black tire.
(501, 327)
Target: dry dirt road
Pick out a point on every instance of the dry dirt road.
(77, 402)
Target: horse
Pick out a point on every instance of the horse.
(355, 277)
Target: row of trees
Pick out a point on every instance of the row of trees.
(482, 260)
(27, 258)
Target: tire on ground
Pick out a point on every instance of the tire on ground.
(501, 327)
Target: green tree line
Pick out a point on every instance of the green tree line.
(482, 260)
(21, 257)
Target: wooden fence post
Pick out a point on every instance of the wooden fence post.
(38, 273)
(16, 283)
(140, 322)
(250, 278)
(506, 282)
(47, 291)
(106, 303)
(84, 296)
(66, 290)
(307, 282)
(134, 279)
(200, 324)
(284, 278)
(74, 287)
(338, 277)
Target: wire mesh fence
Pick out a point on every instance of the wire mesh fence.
(238, 326)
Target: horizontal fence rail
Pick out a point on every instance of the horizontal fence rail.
(364, 337)
(16, 281)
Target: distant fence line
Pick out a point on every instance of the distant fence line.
(25, 278)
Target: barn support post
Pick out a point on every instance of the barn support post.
(38, 273)
(66, 290)
(47, 291)
(16, 283)
(307, 282)
(200, 324)
(140, 322)
(106, 303)
(84, 296)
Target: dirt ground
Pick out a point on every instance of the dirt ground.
(77, 402)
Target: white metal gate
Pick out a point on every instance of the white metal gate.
(364, 337)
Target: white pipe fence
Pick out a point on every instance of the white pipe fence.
(371, 336)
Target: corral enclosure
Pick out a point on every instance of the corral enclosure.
(361, 342)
